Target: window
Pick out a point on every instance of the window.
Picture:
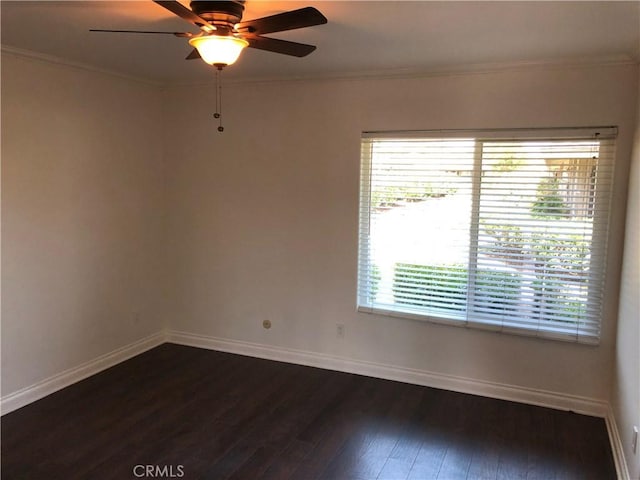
(503, 230)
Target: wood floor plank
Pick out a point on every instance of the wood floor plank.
(486, 438)
(434, 434)
(223, 416)
(457, 425)
(513, 463)
(543, 454)
(283, 466)
(357, 458)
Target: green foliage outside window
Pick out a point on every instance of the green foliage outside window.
(388, 196)
(558, 262)
(508, 164)
(445, 287)
(549, 202)
(430, 285)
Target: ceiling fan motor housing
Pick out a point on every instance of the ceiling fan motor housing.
(219, 13)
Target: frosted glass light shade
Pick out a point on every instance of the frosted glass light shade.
(219, 50)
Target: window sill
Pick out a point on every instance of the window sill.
(547, 333)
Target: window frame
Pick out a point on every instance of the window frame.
(469, 317)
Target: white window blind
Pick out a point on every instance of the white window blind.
(503, 230)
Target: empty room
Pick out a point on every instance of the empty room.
(320, 240)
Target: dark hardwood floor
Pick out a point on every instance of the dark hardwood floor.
(192, 413)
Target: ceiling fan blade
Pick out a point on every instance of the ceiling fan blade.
(280, 46)
(303, 17)
(177, 34)
(183, 12)
(193, 55)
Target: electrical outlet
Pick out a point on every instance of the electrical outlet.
(266, 324)
(339, 330)
(634, 440)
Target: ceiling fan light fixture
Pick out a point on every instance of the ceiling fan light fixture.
(219, 50)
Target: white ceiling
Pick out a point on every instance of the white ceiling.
(362, 37)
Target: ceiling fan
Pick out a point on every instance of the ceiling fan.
(223, 35)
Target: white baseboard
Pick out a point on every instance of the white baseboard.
(24, 396)
(560, 401)
(616, 446)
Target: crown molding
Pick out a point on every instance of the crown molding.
(398, 73)
(412, 73)
(43, 57)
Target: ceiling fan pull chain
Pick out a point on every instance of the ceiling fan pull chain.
(219, 73)
(218, 112)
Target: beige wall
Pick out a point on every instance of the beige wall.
(263, 218)
(82, 216)
(625, 398)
